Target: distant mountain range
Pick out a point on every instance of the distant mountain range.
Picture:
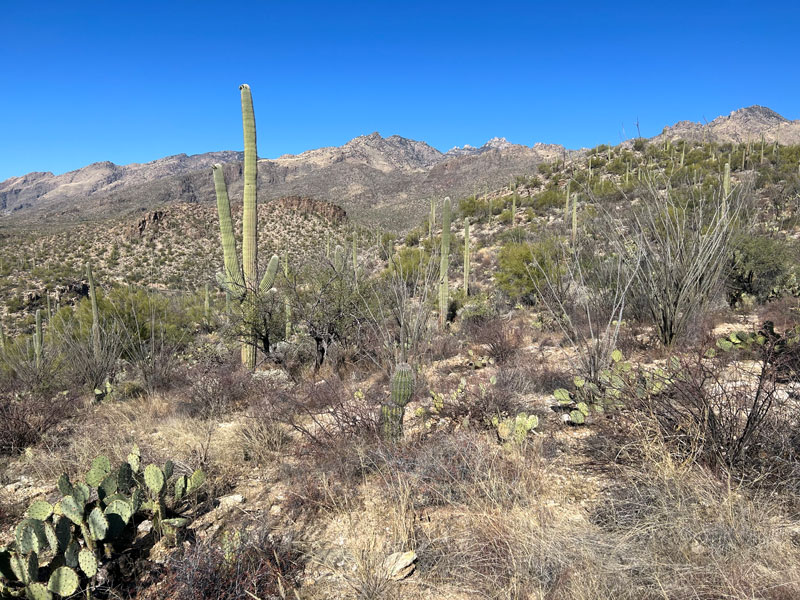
(384, 180)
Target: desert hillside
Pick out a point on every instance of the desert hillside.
(580, 382)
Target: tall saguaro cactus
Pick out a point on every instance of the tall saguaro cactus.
(242, 280)
(96, 342)
(726, 186)
(466, 256)
(287, 303)
(444, 289)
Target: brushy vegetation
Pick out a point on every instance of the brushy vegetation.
(589, 392)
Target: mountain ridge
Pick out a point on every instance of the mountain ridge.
(374, 178)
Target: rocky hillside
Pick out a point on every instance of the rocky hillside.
(743, 125)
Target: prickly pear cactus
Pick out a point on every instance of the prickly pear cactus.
(88, 525)
(515, 430)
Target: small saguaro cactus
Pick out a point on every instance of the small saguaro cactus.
(242, 280)
(444, 290)
(402, 389)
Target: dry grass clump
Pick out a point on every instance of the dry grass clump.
(250, 563)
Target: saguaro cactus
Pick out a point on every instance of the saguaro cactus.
(444, 290)
(242, 280)
(287, 304)
(96, 343)
(726, 183)
(432, 219)
(38, 340)
(466, 256)
(402, 389)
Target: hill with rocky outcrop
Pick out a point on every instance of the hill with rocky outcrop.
(749, 124)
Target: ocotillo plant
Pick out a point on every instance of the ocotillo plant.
(242, 280)
(96, 342)
(466, 256)
(444, 290)
(38, 341)
(392, 413)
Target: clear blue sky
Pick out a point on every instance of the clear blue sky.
(87, 81)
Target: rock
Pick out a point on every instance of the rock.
(230, 501)
(400, 564)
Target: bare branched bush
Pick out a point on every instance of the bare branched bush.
(216, 389)
(324, 413)
(26, 417)
(676, 246)
(501, 338)
(586, 295)
(730, 414)
(395, 310)
(148, 344)
(248, 564)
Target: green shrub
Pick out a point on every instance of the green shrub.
(762, 267)
(522, 268)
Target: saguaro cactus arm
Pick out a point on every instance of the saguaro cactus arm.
(269, 277)
(232, 278)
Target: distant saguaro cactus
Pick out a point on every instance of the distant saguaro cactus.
(444, 290)
(242, 280)
(38, 340)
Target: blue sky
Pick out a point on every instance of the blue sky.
(82, 81)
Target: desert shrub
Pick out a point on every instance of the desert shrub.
(475, 309)
(412, 238)
(216, 389)
(761, 267)
(27, 417)
(516, 275)
(248, 563)
(322, 412)
(501, 339)
(729, 413)
(87, 365)
(549, 199)
(408, 264)
(533, 376)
